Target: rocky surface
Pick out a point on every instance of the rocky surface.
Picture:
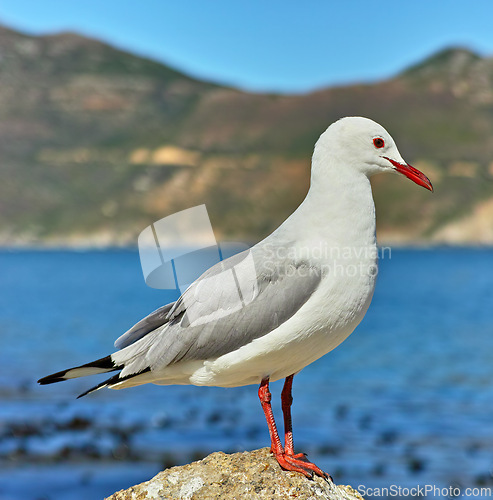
(247, 475)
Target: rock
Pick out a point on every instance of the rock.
(247, 475)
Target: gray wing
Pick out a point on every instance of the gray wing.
(236, 301)
(146, 325)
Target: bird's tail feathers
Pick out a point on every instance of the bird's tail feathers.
(116, 361)
(113, 382)
(102, 365)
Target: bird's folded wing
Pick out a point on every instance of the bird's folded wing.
(146, 325)
(230, 305)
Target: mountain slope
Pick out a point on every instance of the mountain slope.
(96, 143)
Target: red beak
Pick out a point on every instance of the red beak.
(412, 173)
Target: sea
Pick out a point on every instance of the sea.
(405, 402)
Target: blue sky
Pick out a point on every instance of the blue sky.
(269, 45)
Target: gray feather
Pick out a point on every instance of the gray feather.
(146, 325)
(233, 303)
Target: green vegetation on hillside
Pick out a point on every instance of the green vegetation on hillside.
(96, 143)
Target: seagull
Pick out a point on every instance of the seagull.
(264, 314)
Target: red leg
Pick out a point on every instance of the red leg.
(300, 458)
(265, 398)
(286, 402)
(275, 442)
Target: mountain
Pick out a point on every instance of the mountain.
(97, 143)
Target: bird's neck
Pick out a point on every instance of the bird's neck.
(338, 209)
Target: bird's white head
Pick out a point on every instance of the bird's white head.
(357, 143)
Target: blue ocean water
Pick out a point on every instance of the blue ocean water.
(406, 400)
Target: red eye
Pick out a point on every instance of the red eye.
(378, 142)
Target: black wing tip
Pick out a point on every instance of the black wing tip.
(92, 389)
(105, 383)
(116, 379)
(52, 379)
(105, 363)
